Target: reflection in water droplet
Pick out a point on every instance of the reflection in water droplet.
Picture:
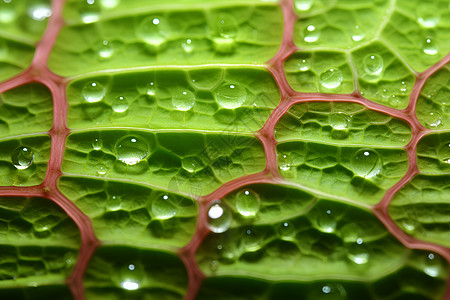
(287, 231)
(247, 203)
(339, 122)
(358, 252)
(114, 203)
(303, 5)
(358, 34)
(152, 30)
(433, 119)
(444, 153)
(7, 11)
(311, 34)
(183, 100)
(101, 169)
(188, 46)
(225, 32)
(120, 104)
(131, 149)
(162, 208)
(373, 64)
(367, 163)
(430, 47)
(231, 96)
(331, 78)
(219, 217)
(96, 144)
(433, 265)
(326, 222)
(151, 89)
(426, 14)
(106, 50)
(192, 164)
(93, 91)
(130, 276)
(40, 12)
(90, 11)
(251, 240)
(22, 157)
(304, 64)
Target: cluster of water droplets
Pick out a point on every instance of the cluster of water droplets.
(22, 157)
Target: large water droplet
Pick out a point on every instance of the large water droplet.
(226, 29)
(131, 276)
(247, 203)
(251, 240)
(287, 231)
(106, 50)
(90, 11)
(326, 221)
(231, 96)
(339, 122)
(22, 157)
(131, 149)
(331, 78)
(162, 209)
(430, 47)
(183, 100)
(311, 33)
(373, 64)
(444, 153)
(303, 5)
(303, 64)
(367, 163)
(153, 31)
(219, 217)
(192, 164)
(114, 203)
(93, 91)
(358, 252)
(8, 10)
(120, 104)
(426, 14)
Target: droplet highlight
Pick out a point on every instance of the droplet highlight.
(430, 47)
(367, 163)
(219, 217)
(331, 78)
(152, 30)
(358, 252)
(247, 203)
(311, 34)
(22, 157)
(120, 104)
(187, 46)
(131, 149)
(287, 231)
(183, 100)
(326, 221)
(373, 64)
(230, 96)
(106, 50)
(162, 208)
(93, 91)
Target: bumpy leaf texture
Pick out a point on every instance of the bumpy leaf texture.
(248, 149)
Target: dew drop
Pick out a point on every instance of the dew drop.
(162, 208)
(224, 38)
(90, 11)
(152, 30)
(109, 4)
(303, 5)
(339, 122)
(326, 221)
(106, 50)
(367, 163)
(231, 96)
(426, 15)
(358, 252)
(96, 144)
(284, 162)
(7, 11)
(409, 225)
(114, 203)
(183, 100)
(40, 12)
(430, 47)
(358, 34)
(93, 91)
(251, 240)
(311, 34)
(444, 153)
(187, 46)
(131, 149)
(131, 276)
(192, 164)
(433, 265)
(373, 64)
(22, 157)
(151, 89)
(287, 231)
(331, 78)
(304, 64)
(247, 203)
(329, 291)
(433, 119)
(101, 169)
(219, 217)
(120, 104)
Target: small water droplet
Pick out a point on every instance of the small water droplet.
(101, 169)
(192, 164)
(151, 89)
(251, 240)
(22, 157)
(231, 96)
(109, 4)
(106, 50)
(284, 162)
(326, 221)
(358, 252)
(247, 203)
(339, 122)
(373, 64)
(8, 11)
(213, 265)
(304, 64)
(311, 34)
(130, 276)
(131, 149)
(409, 224)
(444, 153)
(303, 5)
(357, 34)
(219, 217)
(331, 78)
(367, 163)
(329, 291)
(120, 104)
(162, 208)
(433, 265)
(287, 231)
(40, 12)
(93, 91)
(433, 119)
(225, 32)
(153, 31)
(183, 100)
(97, 144)
(90, 11)
(187, 46)
(430, 47)
(426, 14)
(114, 203)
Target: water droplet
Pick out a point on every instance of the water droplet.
(409, 224)
(433, 265)
(106, 50)
(120, 104)
(131, 149)
(96, 144)
(331, 78)
(357, 34)
(284, 162)
(326, 221)
(367, 163)
(287, 231)
(225, 32)
(247, 203)
(151, 89)
(430, 47)
(311, 34)
(90, 11)
(304, 64)
(101, 169)
(251, 240)
(219, 217)
(358, 252)
(130, 276)
(93, 91)
(192, 164)
(433, 119)
(426, 14)
(329, 291)
(303, 5)
(162, 208)
(40, 12)
(213, 265)
(339, 122)
(187, 46)
(373, 64)
(22, 157)
(183, 100)
(231, 96)
(109, 4)
(7, 11)
(444, 153)
(153, 30)
(114, 203)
